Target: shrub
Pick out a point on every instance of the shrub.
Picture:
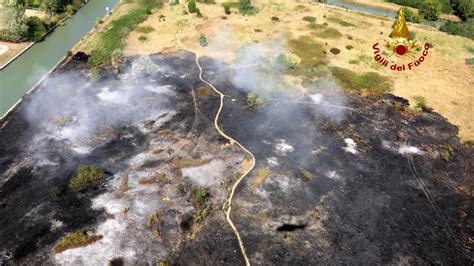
(430, 10)
(74, 240)
(465, 29)
(200, 195)
(88, 176)
(203, 213)
(227, 9)
(246, 8)
(341, 22)
(463, 8)
(142, 38)
(470, 61)
(203, 41)
(329, 33)
(192, 6)
(173, 2)
(288, 60)
(309, 19)
(275, 19)
(253, 100)
(349, 47)
(145, 29)
(198, 13)
(420, 101)
(36, 28)
(411, 16)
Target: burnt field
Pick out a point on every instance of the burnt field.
(340, 178)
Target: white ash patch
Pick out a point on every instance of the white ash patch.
(401, 148)
(273, 161)
(56, 224)
(205, 175)
(282, 148)
(165, 89)
(275, 182)
(124, 234)
(351, 146)
(317, 98)
(405, 149)
(333, 175)
(113, 97)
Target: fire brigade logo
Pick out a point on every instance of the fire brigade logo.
(400, 45)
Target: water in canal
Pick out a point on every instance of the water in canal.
(23, 73)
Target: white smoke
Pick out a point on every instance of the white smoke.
(69, 107)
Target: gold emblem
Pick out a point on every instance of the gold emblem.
(398, 42)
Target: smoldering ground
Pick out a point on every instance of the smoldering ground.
(72, 120)
(335, 171)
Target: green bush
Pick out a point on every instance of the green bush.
(88, 176)
(465, 28)
(349, 47)
(142, 38)
(246, 8)
(309, 19)
(203, 41)
(411, 16)
(420, 101)
(36, 28)
(192, 8)
(430, 10)
(227, 9)
(276, 19)
(288, 60)
(145, 29)
(463, 8)
(470, 61)
(445, 5)
(253, 100)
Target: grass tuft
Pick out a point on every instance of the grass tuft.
(74, 240)
(370, 82)
(420, 101)
(328, 33)
(114, 36)
(312, 57)
(340, 22)
(88, 176)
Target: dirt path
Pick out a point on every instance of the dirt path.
(227, 207)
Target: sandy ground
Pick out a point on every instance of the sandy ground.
(446, 91)
(13, 50)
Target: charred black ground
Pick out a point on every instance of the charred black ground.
(319, 205)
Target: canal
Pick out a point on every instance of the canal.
(23, 73)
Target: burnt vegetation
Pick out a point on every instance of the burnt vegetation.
(365, 207)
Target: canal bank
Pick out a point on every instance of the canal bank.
(27, 70)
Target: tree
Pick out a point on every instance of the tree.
(36, 28)
(411, 16)
(430, 10)
(463, 8)
(13, 26)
